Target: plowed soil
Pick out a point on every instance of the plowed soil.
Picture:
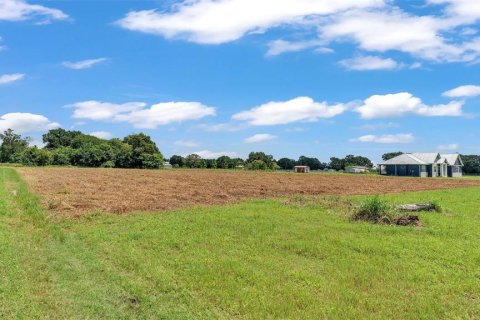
(73, 192)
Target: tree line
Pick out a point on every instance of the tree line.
(74, 148)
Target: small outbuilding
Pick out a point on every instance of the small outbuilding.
(356, 169)
(301, 169)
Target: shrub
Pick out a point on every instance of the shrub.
(36, 157)
(108, 164)
(375, 210)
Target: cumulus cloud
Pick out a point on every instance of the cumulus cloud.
(448, 147)
(372, 25)
(26, 122)
(18, 10)
(463, 92)
(366, 63)
(207, 154)
(103, 111)
(298, 109)
(84, 64)
(404, 103)
(8, 78)
(261, 137)
(221, 21)
(139, 115)
(386, 139)
(101, 134)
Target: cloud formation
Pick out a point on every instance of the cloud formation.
(8, 78)
(18, 10)
(222, 21)
(26, 123)
(463, 92)
(84, 64)
(404, 103)
(261, 137)
(386, 139)
(139, 115)
(368, 63)
(284, 112)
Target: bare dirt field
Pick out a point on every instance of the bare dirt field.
(73, 192)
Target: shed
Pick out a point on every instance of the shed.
(301, 169)
(356, 169)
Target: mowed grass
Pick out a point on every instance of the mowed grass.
(256, 260)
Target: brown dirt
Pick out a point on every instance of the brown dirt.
(73, 191)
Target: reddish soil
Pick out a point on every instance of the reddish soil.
(73, 191)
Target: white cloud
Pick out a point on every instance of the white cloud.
(378, 126)
(386, 139)
(365, 63)
(207, 154)
(8, 78)
(185, 143)
(404, 103)
(298, 109)
(448, 147)
(387, 30)
(17, 10)
(26, 122)
(463, 91)
(278, 47)
(103, 111)
(261, 137)
(101, 134)
(373, 25)
(84, 64)
(221, 21)
(139, 115)
(466, 10)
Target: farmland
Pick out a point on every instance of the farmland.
(77, 191)
(295, 257)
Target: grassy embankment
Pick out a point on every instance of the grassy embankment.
(256, 260)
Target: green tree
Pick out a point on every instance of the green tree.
(177, 161)
(471, 164)
(142, 149)
(337, 163)
(313, 163)
(211, 164)
(62, 156)
(262, 156)
(57, 138)
(391, 155)
(193, 161)
(12, 144)
(286, 163)
(352, 160)
(257, 165)
(224, 162)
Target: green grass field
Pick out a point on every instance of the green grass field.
(256, 260)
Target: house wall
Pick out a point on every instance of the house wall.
(404, 171)
(455, 171)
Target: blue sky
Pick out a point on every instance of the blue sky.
(319, 78)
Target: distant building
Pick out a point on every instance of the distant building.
(167, 165)
(356, 169)
(301, 169)
(423, 165)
